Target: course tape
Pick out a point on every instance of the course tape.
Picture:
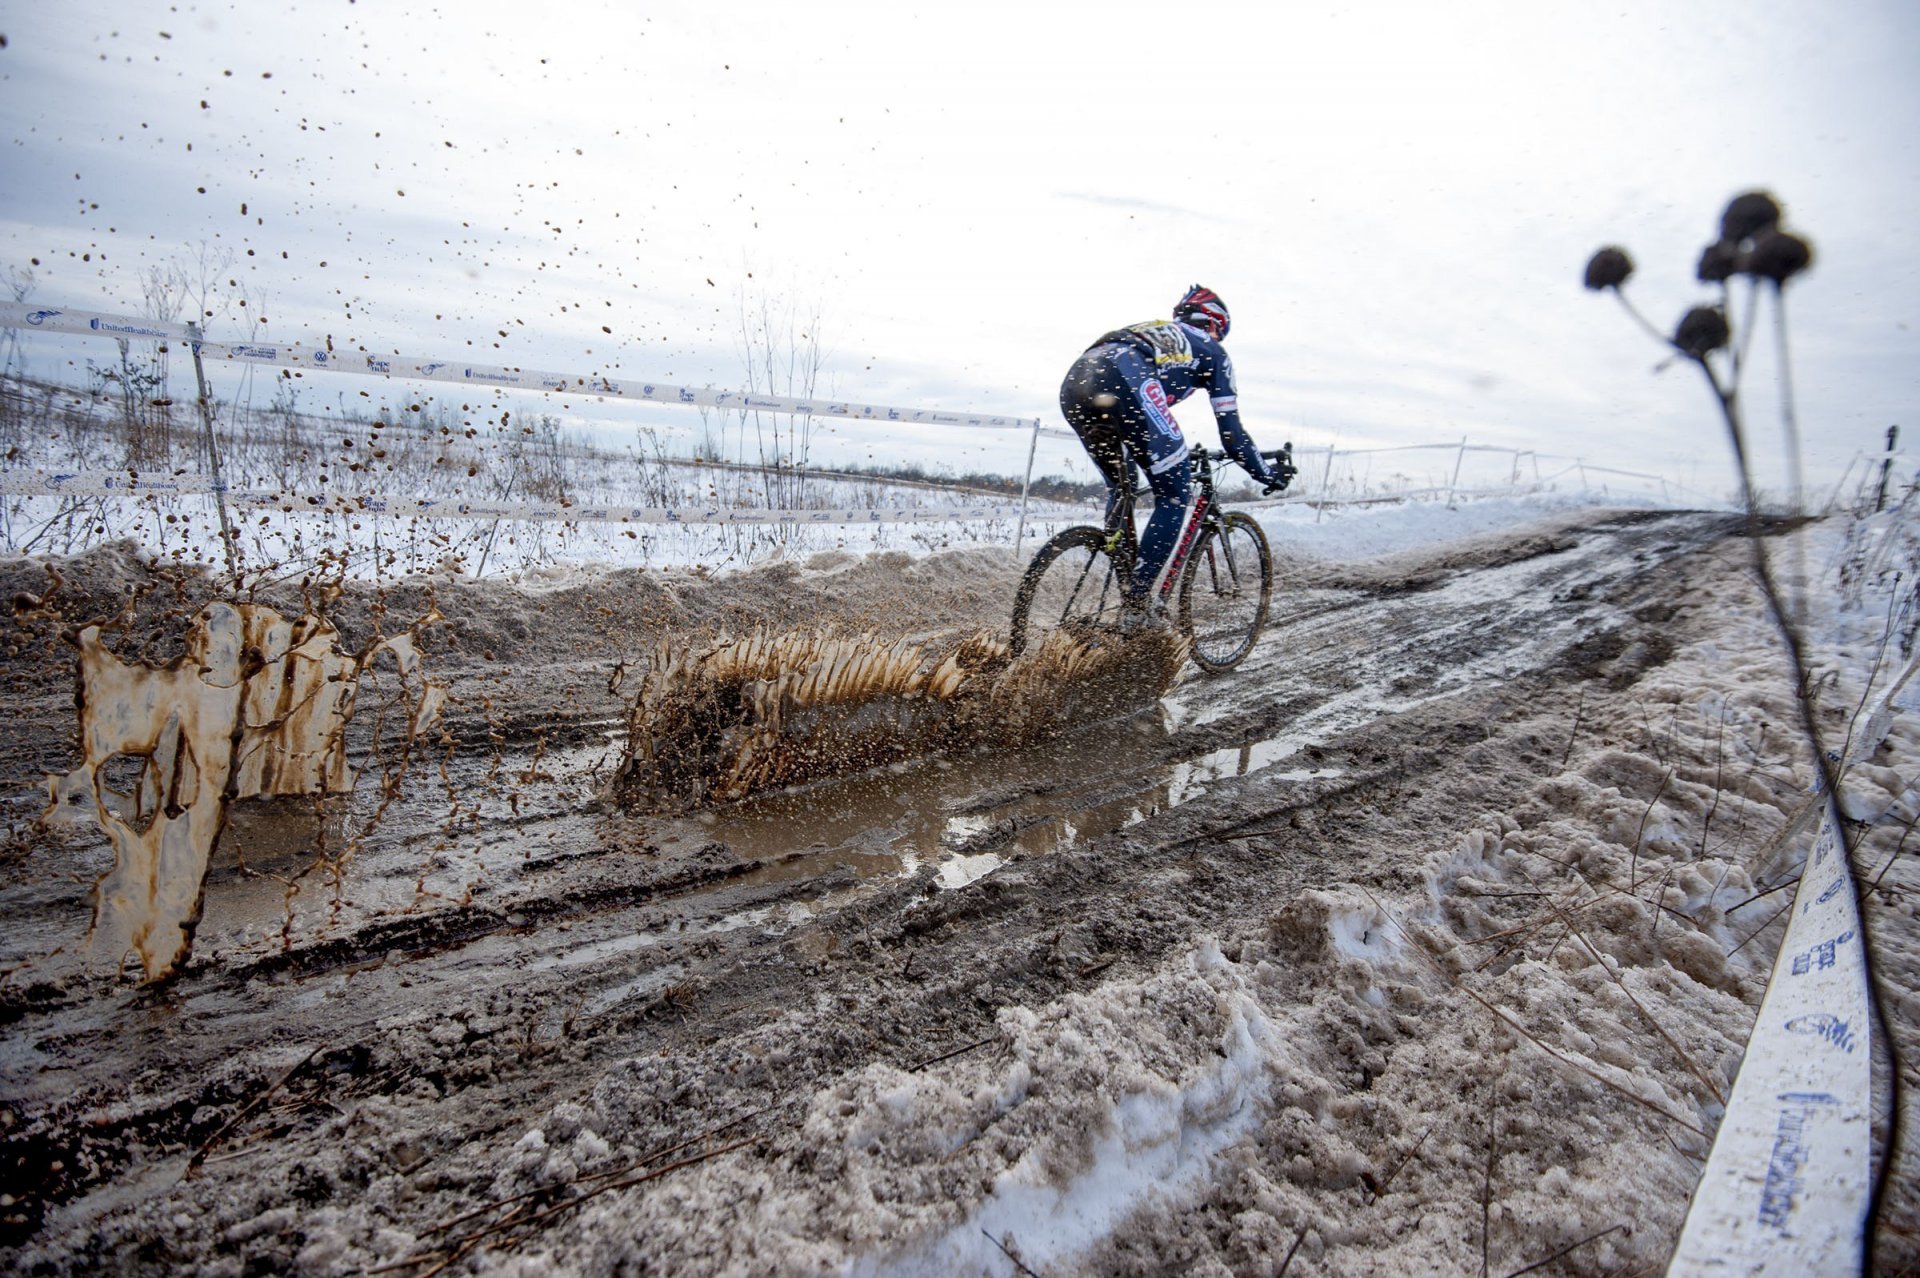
(119, 484)
(466, 373)
(1786, 1186)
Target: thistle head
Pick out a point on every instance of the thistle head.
(1718, 261)
(1748, 215)
(1609, 268)
(1701, 331)
(1776, 255)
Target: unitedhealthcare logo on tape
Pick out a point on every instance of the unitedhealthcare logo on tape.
(1826, 1026)
(121, 326)
(244, 351)
(484, 375)
(1780, 1192)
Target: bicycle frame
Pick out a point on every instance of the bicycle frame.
(1123, 538)
(1096, 566)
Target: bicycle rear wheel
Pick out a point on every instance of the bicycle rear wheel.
(1071, 582)
(1224, 592)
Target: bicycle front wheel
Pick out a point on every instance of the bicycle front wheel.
(1072, 582)
(1224, 592)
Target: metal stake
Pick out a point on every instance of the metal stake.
(1033, 446)
(213, 453)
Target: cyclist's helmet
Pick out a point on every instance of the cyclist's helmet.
(1202, 308)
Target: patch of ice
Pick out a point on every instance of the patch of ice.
(1159, 1143)
(1364, 935)
(961, 869)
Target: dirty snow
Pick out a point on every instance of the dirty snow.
(1408, 971)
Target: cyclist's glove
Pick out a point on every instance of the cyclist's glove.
(1280, 474)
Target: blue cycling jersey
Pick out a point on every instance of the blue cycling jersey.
(1185, 359)
(1118, 393)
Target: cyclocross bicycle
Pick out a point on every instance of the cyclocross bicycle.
(1075, 580)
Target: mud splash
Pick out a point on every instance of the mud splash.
(744, 716)
(256, 706)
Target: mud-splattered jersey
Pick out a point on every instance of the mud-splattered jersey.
(1186, 359)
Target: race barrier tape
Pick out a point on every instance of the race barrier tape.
(91, 484)
(1786, 1186)
(463, 372)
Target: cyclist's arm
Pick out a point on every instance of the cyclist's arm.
(1233, 436)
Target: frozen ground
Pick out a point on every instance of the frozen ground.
(1206, 987)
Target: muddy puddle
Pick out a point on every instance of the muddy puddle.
(513, 829)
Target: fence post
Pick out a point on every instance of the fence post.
(213, 452)
(1026, 484)
(1886, 465)
(1459, 457)
(1326, 486)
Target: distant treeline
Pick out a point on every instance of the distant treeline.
(1045, 487)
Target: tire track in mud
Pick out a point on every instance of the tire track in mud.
(735, 978)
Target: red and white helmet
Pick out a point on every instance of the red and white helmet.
(1202, 308)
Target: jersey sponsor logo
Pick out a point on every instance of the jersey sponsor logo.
(1168, 340)
(1153, 396)
(1226, 403)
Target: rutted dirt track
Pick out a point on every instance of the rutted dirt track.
(508, 954)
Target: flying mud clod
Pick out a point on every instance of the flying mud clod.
(743, 716)
(257, 705)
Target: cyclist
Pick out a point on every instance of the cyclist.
(1121, 391)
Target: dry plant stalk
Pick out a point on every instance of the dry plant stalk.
(743, 716)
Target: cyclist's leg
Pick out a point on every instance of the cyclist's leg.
(1169, 532)
(1095, 398)
(1162, 453)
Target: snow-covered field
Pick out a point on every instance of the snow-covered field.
(1426, 941)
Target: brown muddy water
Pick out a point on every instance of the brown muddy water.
(498, 929)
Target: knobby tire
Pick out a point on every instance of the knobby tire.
(1071, 579)
(1225, 591)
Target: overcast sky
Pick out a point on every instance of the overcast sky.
(1396, 200)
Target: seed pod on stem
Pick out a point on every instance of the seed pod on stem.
(1718, 261)
(1702, 330)
(1776, 255)
(1748, 215)
(1609, 268)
